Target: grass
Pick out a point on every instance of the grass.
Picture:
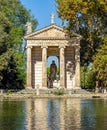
(59, 92)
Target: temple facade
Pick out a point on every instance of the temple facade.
(52, 41)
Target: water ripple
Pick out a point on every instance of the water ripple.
(54, 114)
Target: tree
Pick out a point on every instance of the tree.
(87, 77)
(89, 19)
(100, 63)
(13, 17)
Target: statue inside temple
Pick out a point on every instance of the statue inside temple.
(53, 70)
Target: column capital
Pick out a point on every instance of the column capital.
(28, 47)
(61, 46)
(44, 46)
(77, 47)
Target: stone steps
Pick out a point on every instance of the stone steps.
(51, 90)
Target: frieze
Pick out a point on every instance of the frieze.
(52, 43)
(47, 38)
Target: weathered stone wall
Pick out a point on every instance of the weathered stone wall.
(36, 66)
(69, 67)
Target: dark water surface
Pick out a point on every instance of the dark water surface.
(53, 114)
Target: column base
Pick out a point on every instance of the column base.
(29, 88)
(44, 87)
(77, 88)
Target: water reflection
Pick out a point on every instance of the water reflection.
(12, 115)
(53, 114)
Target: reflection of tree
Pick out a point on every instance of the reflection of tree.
(88, 115)
(12, 115)
(94, 114)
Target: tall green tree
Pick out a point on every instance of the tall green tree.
(100, 63)
(88, 78)
(13, 18)
(89, 19)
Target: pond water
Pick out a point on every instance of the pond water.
(53, 114)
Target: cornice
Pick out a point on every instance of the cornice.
(46, 38)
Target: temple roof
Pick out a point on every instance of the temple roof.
(50, 32)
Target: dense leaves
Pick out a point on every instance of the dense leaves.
(100, 63)
(88, 78)
(88, 18)
(13, 17)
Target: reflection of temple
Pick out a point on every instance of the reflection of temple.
(36, 114)
(52, 41)
(51, 114)
(71, 118)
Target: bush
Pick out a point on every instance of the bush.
(59, 92)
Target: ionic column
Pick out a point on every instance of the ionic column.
(44, 66)
(29, 67)
(77, 67)
(62, 66)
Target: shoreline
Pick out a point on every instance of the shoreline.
(34, 96)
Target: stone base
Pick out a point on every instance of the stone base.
(56, 83)
(96, 90)
(77, 88)
(29, 88)
(104, 91)
(1, 91)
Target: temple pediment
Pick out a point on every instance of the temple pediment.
(52, 36)
(50, 32)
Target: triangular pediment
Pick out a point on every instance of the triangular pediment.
(51, 31)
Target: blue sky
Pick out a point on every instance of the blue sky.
(42, 10)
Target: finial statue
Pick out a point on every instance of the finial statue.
(52, 18)
(29, 27)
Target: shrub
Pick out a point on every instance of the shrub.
(59, 92)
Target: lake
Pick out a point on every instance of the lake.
(53, 114)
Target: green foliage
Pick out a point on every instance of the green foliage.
(9, 92)
(89, 19)
(59, 92)
(87, 77)
(100, 62)
(48, 70)
(13, 17)
(90, 80)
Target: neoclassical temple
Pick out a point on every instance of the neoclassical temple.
(52, 41)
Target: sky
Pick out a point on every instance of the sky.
(42, 10)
